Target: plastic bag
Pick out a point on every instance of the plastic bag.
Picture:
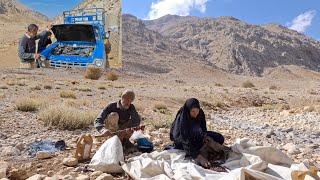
(107, 159)
(47, 146)
(137, 135)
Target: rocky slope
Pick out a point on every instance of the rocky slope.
(14, 18)
(238, 47)
(12, 7)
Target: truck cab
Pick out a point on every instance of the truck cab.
(80, 40)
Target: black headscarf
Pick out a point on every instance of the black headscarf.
(182, 128)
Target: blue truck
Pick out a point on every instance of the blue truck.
(81, 40)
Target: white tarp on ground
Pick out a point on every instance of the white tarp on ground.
(247, 160)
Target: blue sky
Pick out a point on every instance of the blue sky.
(301, 15)
(50, 8)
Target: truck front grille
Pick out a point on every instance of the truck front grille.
(63, 64)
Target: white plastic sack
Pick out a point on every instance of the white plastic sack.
(107, 159)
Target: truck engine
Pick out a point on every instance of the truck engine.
(82, 51)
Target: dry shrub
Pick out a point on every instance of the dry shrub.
(273, 87)
(160, 106)
(77, 103)
(37, 87)
(102, 88)
(282, 107)
(3, 87)
(68, 94)
(67, 118)
(157, 124)
(218, 84)
(84, 89)
(93, 73)
(309, 109)
(269, 107)
(28, 105)
(47, 87)
(273, 107)
(11, 83)
(220, 104)
(21, 83)
(112, 76)
(314, 92)
(247, 84)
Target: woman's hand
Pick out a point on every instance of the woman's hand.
(203, 161)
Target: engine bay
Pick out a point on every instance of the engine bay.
(64, 50)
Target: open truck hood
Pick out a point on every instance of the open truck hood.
(74, 32)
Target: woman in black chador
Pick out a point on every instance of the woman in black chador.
(189, 129)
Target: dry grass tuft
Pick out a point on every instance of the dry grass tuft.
(112, 76)
(11, 83)
(247, 84)
(161, 107)
(3, 87)
(28, 105)
(21, 83)
(68, 94)
(47, 87)
(157, 124)
(37, 87)
(93, 73)
(218, 84)
(84, 89)
(102, 87)
(67, 118)
(273, 87)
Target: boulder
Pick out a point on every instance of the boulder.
(95, 174)
(68, 177)
(105, 176)
(82, 177)
(37, 177)
(20, 146)
(43, 155)
(70, 161)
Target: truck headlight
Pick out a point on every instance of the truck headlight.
(98, 62)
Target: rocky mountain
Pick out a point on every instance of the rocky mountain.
(148, 51)
(238, 47)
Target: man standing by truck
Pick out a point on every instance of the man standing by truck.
(27, 45)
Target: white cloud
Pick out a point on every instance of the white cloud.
(303, 21)
(175, 7)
